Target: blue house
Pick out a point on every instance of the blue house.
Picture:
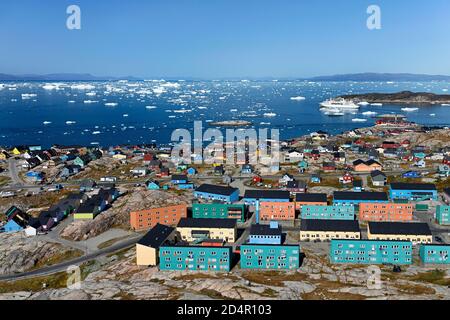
(315, 178)
(195, 258)
(35, 176)
(271, 257)
(12, 226)
(434, 253)
(413, 191)
(252, 196)
(355, 198)
(371, 252)
(214, 192)
(247, 169)
(191, 171)
(265, 234)
(179, 179)
(153, 185)
(411, 174)
(185, 186)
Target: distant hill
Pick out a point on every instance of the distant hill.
(381, 77)
(60, 77)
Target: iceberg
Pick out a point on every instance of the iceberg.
(150, 107)
(47, 122)
(410, 109)
(298, 98)
(82, 87)
(90, 101)
(358, 120)
(111, 104)
(369, 113)
(70, 122)
(26, 96)
(269, 114)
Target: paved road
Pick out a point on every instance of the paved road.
(12, 167)
(63, 266)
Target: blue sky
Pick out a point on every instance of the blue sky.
(224, 38)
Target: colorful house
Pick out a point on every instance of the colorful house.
(413, 191)
(443, 215)
(411, 174)
(215, 192)
(416, 232)
(369, 211)
(278, 211)
(218, 210)
(371, 252)
(367, 166)
(379, 179)
(195, 258)
(270, 257)
(434, 253)
(355, 198)
(328, 212)
(153, 185)
(191, 171)
(149, 218)
(325, 230)
(179, 179)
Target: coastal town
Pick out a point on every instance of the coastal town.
(376, 196)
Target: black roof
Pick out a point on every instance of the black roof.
(179, 177)
(348, 195)
(447, 191)
(408, 228)
(329, 225)
(156, 236)
(412, 186)
(311, 197)
(206, 223)
(267, 194)
(265, 230)
(211, 188)
(377, 173)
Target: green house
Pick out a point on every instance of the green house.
(443, 215)
(219, 211)
(195, 258)
(303, 164)
(267, 256)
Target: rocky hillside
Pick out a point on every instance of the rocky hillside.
(119, 214)
(404, 97)
(19, 253)
(118, 277)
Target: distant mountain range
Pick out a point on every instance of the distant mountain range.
(382, 77)
(60, 77)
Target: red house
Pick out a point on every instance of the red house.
(257, 179)
(346, 178)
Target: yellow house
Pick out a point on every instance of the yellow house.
(147, 249)
(415, 232)
(196, 230)
(15, 152)
(3, 155)
(324, 230)
(119, 156)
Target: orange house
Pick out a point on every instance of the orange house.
(147, 219)
(367, 166)
(385, 211)
(269, 211)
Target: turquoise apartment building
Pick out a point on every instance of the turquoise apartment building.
(328, 212)
(434, 253)
(218, 211)
(273, 257)
(443, 215)
(371, 252)
(195, 258)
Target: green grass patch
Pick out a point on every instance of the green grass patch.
(55, 281)
(110, 242)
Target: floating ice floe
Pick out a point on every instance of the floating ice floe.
(298, 98)
(82, 87)
(369, 113)
(47, 122)
(410, 109)
(96, 132)
(125, 115)
(26, 96)
(71, 101)
(363, 103)
(90, 101)
(111, 104)
(445, 105)
(91, 94)
(376, 104)
(49, 86)
(432, 114)
(150, 107)
(269, 114)
(70, 122)
(358, 120)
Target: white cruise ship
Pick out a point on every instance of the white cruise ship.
(339, 104)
